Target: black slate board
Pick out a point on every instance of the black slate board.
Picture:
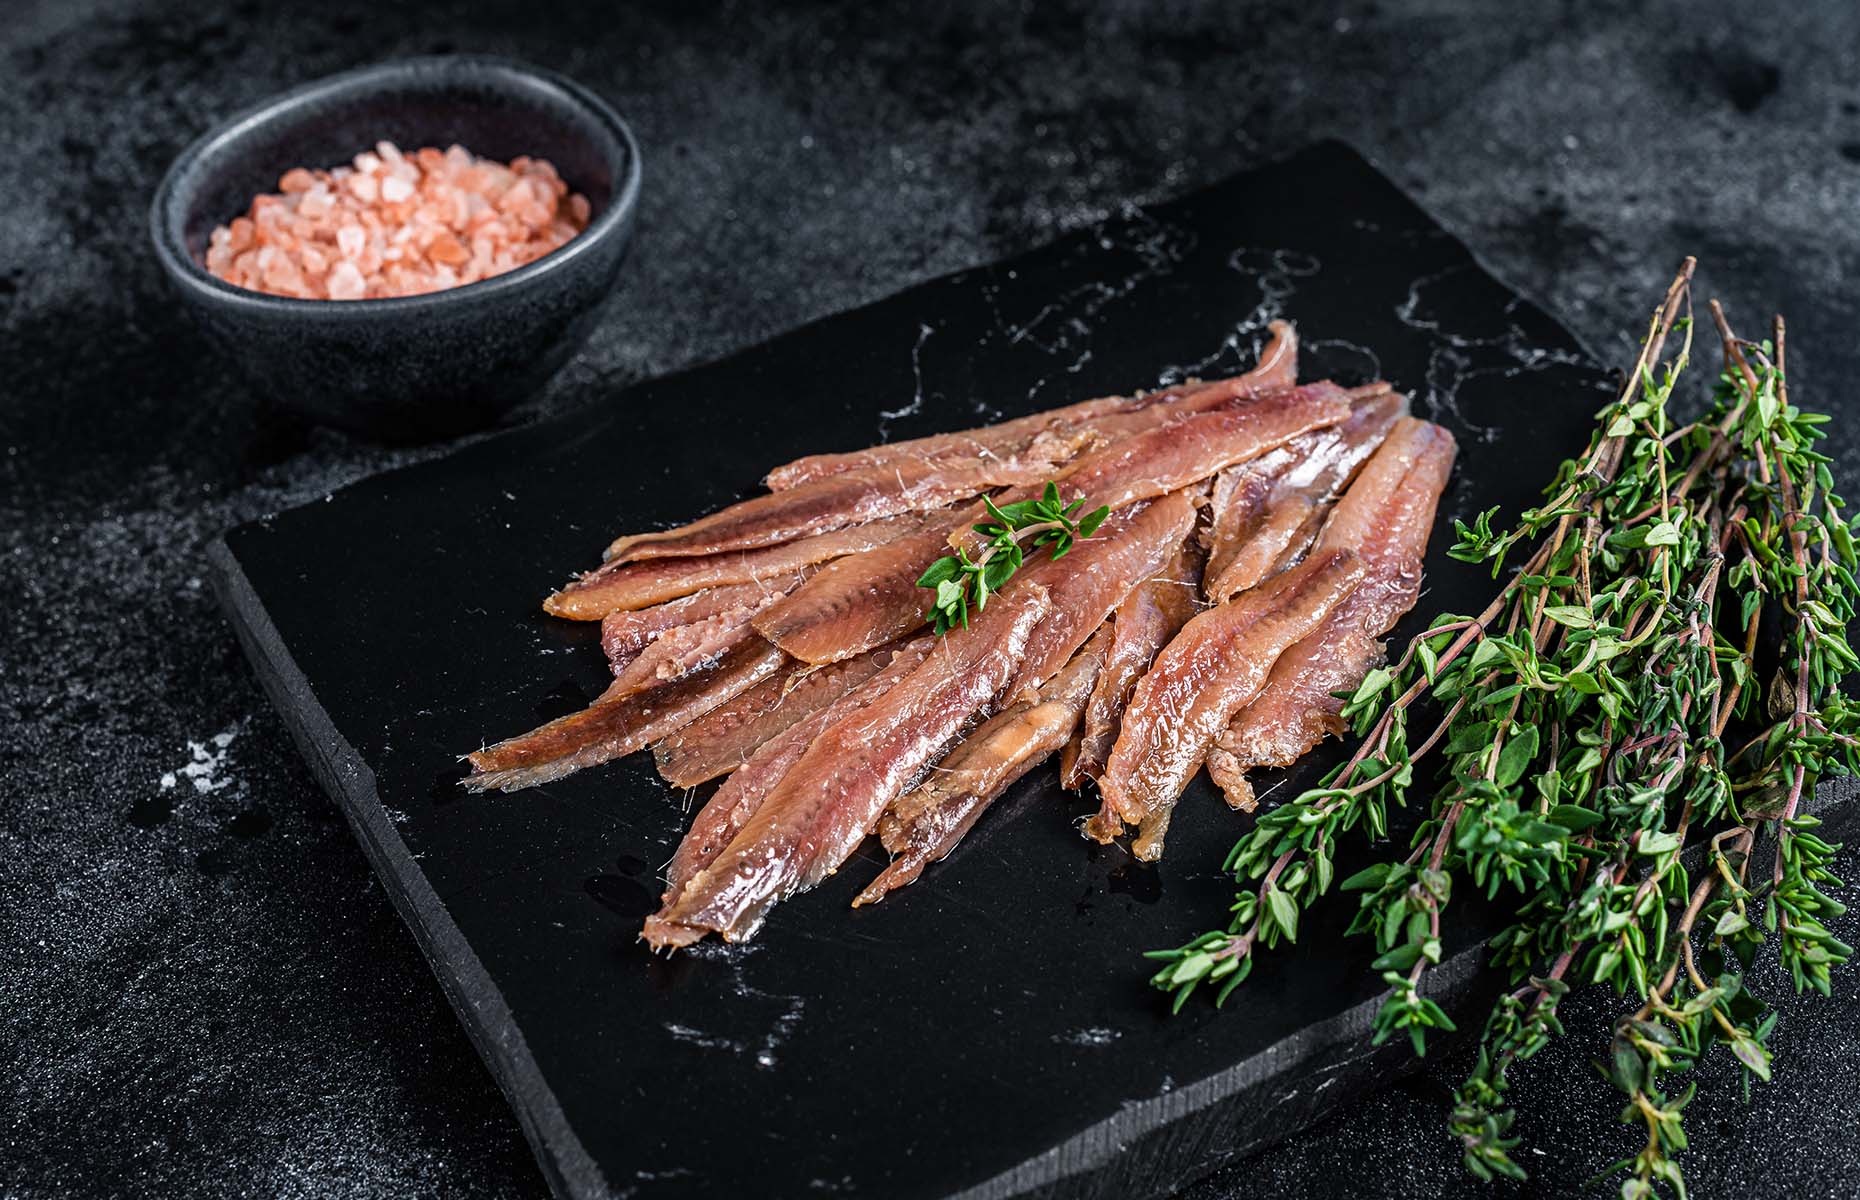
(986, 1032)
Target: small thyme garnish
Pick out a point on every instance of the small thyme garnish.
(959, 580)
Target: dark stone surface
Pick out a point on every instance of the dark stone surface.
(866, 1044)
(205, 991)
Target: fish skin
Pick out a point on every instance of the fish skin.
(1201, 678)
(1285, 512)
(627, 587)
(1095, 576)
(618, 723)
(727, 736)
(1277, 368)
(1194, 447)
(1276, 539)
(738, 799)
(857, 603)
(925, 824)
(1385, 519)
(1238, 497)
(624, 634)
(1142, 625)
(679, 651)
(835, 792)
(851, 498)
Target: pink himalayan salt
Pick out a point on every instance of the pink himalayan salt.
(397, 224)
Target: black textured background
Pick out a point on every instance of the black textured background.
(202, 990)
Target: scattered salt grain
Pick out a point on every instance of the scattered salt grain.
(396, 223)
(206, 765)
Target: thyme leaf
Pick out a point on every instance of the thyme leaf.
(961, 582)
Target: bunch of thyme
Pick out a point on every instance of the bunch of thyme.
(1604, 749)
(959, 580)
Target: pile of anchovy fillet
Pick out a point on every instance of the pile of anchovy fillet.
(1262, 536)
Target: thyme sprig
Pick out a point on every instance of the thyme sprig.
(960, 580)
(1608, 741)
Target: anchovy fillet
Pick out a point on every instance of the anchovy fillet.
(924, 825)
(741, 796)
(619, 722)
(1212, 668)
(836, 790)
(727, 736)
(625, 587)
(1095, 419)
(1143, 624)
(1279, 514)
(1384, 519)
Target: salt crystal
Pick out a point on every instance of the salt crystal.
(345, 282)
(515, 198)
(397, 223)
(446, 249)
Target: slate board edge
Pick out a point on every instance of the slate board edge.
(1146, 1149)
(1249, 1117)
(1242, 1110)
(468, 987)
(1131, 1154)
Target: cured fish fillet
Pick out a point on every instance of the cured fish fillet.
(685, 649)
(1095, 576)
(864, 601)
(619, 722)
(627, 587)
(1238, 497)
(1200, 680)
(833, 794)
(924, 825)
(670, 652)
(851, 498)
(725, 737)
(1141, 627)
(1274, 517)
(741, 796)
(856, 604)
(1385, 519)
(1277, 368)
(625, 634)
(1172, 456)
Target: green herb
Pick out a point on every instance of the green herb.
(1604, 716)
(960, 581)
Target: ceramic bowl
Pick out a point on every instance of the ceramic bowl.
(422, 366)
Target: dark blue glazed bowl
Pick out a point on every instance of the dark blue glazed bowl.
(422, 366)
